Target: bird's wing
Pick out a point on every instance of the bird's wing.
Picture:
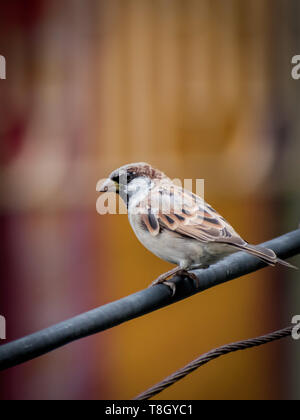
(178, 210)
(173, 208)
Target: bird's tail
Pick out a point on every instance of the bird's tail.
(266, 255)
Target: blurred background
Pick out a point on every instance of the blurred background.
(197, 88)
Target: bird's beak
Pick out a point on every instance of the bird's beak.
(108, 186)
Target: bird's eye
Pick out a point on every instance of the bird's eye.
(123, 178)
(130, 176)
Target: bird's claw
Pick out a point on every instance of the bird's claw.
(171, 285)
(162, 279)
(191, 276)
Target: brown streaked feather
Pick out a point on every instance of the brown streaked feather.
(186, 213)
(169, 221)
(143, 169)
(197, 220)
(151, 222)
(265, 254)
(183, 212)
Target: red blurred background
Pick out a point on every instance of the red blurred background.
(197, 88)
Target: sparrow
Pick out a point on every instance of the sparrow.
(177, 225)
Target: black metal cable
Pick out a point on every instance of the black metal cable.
(207, 357)
(140, 303)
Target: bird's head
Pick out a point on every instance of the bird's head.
(126, 179)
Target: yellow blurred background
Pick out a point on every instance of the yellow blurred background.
(197, 88)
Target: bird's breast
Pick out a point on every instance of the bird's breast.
(168, 245)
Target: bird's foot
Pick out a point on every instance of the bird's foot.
(171, 285)
(162, 279)
(191, 276)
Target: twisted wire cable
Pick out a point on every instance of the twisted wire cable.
(211, 355)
